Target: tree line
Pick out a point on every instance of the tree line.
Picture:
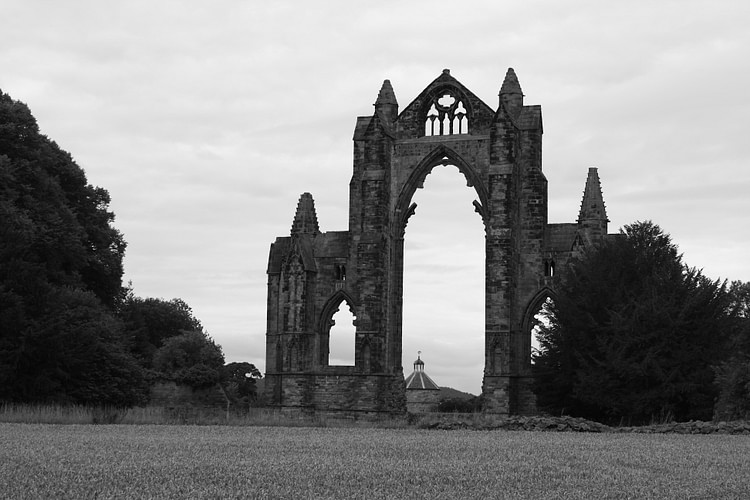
(70, 332)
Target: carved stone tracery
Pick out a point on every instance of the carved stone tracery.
(446, 115)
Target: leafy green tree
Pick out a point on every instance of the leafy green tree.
(461, 405)
(191, 358)
(55, 227)
(239, 381)
(69, 331)
(60, 275)
(71, 353)
(150, 322)
(633, 333)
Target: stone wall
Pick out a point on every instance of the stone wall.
(339, 391)
(422, 400)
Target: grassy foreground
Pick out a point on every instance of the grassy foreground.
(161, 461)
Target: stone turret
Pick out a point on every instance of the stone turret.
(510, 94)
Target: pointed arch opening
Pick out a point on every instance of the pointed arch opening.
(440, 156)
(443, 276)
(536, 320)
(338, 331)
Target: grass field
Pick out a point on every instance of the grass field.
(150, 461)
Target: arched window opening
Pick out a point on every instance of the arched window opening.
(340, 272)
(341, 337)
(540, 325)
(445, 126)
(446, 115)
(443, 282)
(432, 115)
(459, 120)
(549, 268)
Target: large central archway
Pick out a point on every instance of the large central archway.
(443, 298)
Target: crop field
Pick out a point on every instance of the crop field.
(164, 461)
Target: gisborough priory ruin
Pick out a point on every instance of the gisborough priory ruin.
(311, 274)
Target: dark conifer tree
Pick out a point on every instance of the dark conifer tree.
(733, 374)
(633, 334)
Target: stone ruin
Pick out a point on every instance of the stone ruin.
(312, 274)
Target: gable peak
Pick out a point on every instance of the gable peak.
(445, 76)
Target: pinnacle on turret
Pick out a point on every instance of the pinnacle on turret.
(386, 104)
(386, 94)
(510, 84)
(510, 92)
(305, 219)
(592, 205)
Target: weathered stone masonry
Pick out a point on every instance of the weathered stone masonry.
(311, 274)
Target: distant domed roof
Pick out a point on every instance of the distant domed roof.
(419, 379)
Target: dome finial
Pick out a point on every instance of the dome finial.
(419, 364)
(419, 379)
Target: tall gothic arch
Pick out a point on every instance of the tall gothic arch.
(311, 274)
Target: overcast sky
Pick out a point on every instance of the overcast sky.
(206, 120)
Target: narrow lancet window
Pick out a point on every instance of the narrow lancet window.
(340, 272)
(432, 115)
